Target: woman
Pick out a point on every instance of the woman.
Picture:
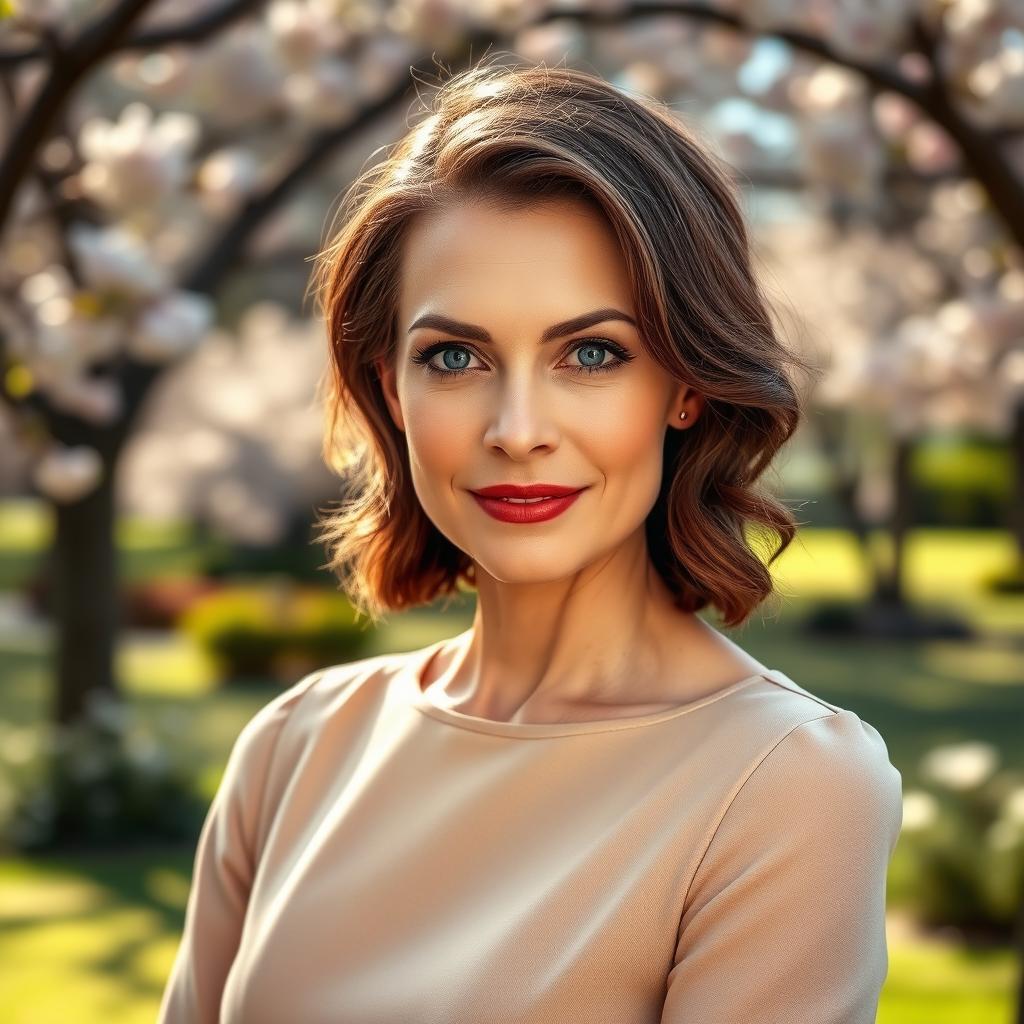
(553, 378)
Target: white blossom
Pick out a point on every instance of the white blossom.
(302, 32)
(999, 83)
(960, 766)
(145, 753)
(920, 810)
(68, 473)
(108, 710)
(97, 400)
(837, 145)
(239, 76)
(115, 259)
(867, 29)
(171, 326)
(138, 160)
(770, 14)
(228, 175)
(235, 433)
(41, 12)
(325, 94)
(441, 24)
(382, 62)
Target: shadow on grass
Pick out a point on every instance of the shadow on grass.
(125, 901)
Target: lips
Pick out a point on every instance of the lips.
(530, 503)
(525, 491)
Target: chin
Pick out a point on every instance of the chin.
(527, 567)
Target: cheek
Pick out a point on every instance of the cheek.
(628, 435)
(438, 435)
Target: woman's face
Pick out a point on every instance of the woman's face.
(586, 409)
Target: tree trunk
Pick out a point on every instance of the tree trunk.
(890, 589)
(1016, 522)
(85, 605)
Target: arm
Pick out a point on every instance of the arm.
(223, 869)
(784, 921)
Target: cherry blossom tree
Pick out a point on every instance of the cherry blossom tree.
(153, 150)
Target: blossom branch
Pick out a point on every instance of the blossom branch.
(193, 31)
(73, 61)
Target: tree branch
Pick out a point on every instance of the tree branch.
(979, 148)
(881, 75)
(193, 31)
(223, 255)
(208, 273)
(72, 62)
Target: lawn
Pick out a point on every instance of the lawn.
(92, 938)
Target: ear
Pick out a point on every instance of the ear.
(389, 388)
(685, 399)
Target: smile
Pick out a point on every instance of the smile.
(526, 510)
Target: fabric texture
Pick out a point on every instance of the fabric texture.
(371, 857)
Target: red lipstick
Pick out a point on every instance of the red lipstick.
(549, 500)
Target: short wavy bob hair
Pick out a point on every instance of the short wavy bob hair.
(514, 135)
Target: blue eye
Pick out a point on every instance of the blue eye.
(455, 355)
(597, 352)
(459, 358)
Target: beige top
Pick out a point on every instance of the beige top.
(373, 858)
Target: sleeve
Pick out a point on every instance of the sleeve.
(784, 920)
(223, 869)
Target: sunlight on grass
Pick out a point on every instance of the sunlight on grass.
(167, 887)
(932, 983)
(975, 664)
(25, 524)
(821, 562)
(141, 534)
(941, 561)
(94, 968)
(943, 569)
(54, 899)
(109, 963)
(75, 948)
(938, 562)
(169, 666)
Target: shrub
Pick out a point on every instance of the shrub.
(159, 603)
(963, 830)
(107, 780)
(281, 630)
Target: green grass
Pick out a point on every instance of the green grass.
(937, 983)
(92, 938)
(89, 939)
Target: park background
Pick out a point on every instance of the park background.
(167, 172)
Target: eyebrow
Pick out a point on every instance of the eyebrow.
(560, 330)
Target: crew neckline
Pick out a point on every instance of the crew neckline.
(410, 685)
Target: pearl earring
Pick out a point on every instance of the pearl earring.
(682, 415)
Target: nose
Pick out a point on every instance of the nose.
(522, 422)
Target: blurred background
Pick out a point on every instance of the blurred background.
(167, 171)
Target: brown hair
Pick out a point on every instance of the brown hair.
(515, 136)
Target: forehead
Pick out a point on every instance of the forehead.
(476, 258)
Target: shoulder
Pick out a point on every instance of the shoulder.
(273, 743)
(820, 803)
(788, 754)
(827, 770)
(293, 716)
(837, 753)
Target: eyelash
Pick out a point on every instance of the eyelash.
(424, 356)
